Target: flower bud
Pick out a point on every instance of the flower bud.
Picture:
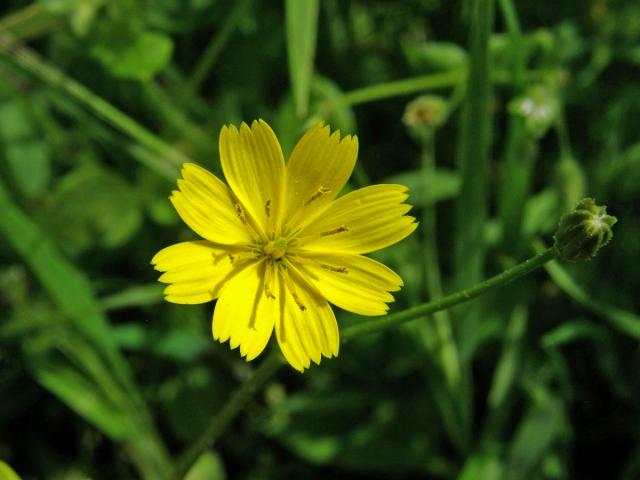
(583, 231)
(538, 107)
(425, 113)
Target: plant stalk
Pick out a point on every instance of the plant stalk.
(270, 365)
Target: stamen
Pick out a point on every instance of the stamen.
(293, 222)
(268, 276)
(267, 208)
(242, 215)
(316, 236)
(291, 287)
(321, 191)
(305, 260)
(340, 229)
(241, 257)
(331, 268)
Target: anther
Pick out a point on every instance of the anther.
(267, 208)
(291, 287)
(267, 292)
(243, 256)
(316, 236)
(240, 213)
(321, 191)
(298, 302)
(268, 275)
(331, 268)
(340, 229)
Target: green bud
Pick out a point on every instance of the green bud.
(424, 114)
(539, 107)
(583, 231)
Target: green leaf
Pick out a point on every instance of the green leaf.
(508, 365)
(302, 27)
(481, 467)
(182, 344)
(473, 151)
(27, 155)
(342, 117)
(440, 185)
(535, 436)
(541, 213)
(29, 164)
(622, 320)
(134, 296)
(209, 466)
(7, 473)
(14, 123)
(82, 396)
(427, 56)
(90, 206)
(141, 60)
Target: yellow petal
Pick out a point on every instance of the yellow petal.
(353, 282)
(253, 165)
(318, 169)
(244, 315)
(206, 204)
(195, 271)
(306, 328)
(362, 221)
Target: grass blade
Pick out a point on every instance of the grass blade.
(28, 61)
(473, 153)
(71, 292)
(302, 28)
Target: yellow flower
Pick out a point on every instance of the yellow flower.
(278, 244)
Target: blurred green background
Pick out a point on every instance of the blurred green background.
(102, 100)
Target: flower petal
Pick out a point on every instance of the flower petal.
(244, 315)
(306, 328)
(195, 271)
(317, 170)
(362, 221)
(253, 165)
(353, 282)
(206, 204)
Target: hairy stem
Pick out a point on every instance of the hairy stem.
(270, 365)
(509, 275)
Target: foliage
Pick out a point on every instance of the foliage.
(101, 101)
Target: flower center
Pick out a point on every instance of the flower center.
(275, 248)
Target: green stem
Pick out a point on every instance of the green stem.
(520, 147)
(474, 151)
(215, 46)
(509, 275)
(562, 133)
(396, 88)
(231, 409)
(270, 365)
(32, 21)
(29, 61)
(447, 351)
(510, 16)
